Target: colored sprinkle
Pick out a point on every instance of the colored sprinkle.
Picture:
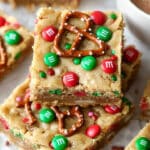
(113, 52)
(67, 46)
(113, 16)
(126, 101)
(116, 93)
(18, 55)
(114, 77)
(76, 61)
(123, 74)
(56, 91)
(96, 94)
(43, 74)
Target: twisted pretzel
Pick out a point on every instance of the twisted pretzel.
(74, 52)
(74, 111)
(3, 54)
(27, 104)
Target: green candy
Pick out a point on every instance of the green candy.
(103, 33)
(67, 46)
(142, 143)
(113, 16)
(59, 142)
(76, 61)
(12, 37)
(114, 77)
(43, 74)
(88, 63)
(18, 55)
(51, 59)
(46, 115)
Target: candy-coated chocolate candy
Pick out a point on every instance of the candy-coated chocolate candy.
(51, 59)
(67, 46)
(42, 74)
(46, 115)
(59, 142)
(51, 72)
(108, 66)
(2, 21)
(142, 143)
(88, 63)
(70, 79)
(49, 33)
(98, 17)
(112, 109)
(12, 37)
(130, 54)
(77, 61)
(103, 33)
(93, 131)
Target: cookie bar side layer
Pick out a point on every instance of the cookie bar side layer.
(91, 75)
(14, 122)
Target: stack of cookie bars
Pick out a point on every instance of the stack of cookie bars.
(73, 98)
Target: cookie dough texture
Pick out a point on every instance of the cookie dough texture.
(89, 81)
(39, 135)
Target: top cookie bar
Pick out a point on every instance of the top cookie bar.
(15, 41)
(77, 57)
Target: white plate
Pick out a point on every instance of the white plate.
(17, 75)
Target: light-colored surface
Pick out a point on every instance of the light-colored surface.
(17, 75)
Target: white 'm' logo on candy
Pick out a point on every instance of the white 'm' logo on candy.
(143, 142)
(60, 141)
(47, 114)
(104, 33)
(130, 53)
(51, 59)
(69, 78)
(12, 36)
(50, 32)
(109, 64)
(113, 107)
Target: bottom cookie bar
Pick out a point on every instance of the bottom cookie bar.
(35, 125)
(141, 141)
(145, 103)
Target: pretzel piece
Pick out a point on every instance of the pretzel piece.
(27, 104)
(3, 54)
(81, 33)
(74, 111)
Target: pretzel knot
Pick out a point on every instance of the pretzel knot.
(3, 54)
(74, 111)
(80, 34)
(27, 104)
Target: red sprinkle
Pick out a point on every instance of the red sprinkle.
(80, 93)
(92, 115)
(51, 72)
(130, 54)
(109, 66)
(37, 106)
(4, 124)
(112, 109)
(98, 17)
(25, 120)
(2, 21)
(49, 33)
(143, 104)
(70, 79)
(93, 131)
(16, 25)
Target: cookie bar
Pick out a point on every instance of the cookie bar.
(36, 125)
(77, 55)
(141, 141)
(130, 66)
(15, 42)
(53, 3)
(145, 103)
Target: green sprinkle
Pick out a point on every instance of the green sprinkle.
(56, 91)
(18, 55)
(116, 93)
(113, 16)
(52, 92)
(16, 134)
(113, 52)
(96, 94)
(123, 74)
(114, 77)
(67, 46)
(43, 74)
(76, 61)
(126, 101)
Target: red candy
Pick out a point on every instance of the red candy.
(112, 109)
(49, 33)
(37, 106)
(51, 72)
(70, 79)
(4, 124)
(93, 131)
(80, 93)
(2, 21)
(130, 54)
(25, 120)
(98, 17)
(143, 104)
(114, 57)
(109, 66)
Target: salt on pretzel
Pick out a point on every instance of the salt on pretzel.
(27, 104)
(74, 111)
(81, 33)
(3, 54)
